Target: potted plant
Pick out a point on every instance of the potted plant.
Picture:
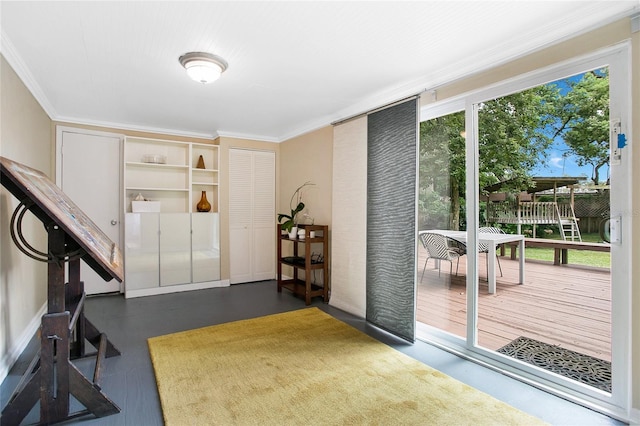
(290, 220)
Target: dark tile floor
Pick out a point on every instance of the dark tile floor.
(129, 380)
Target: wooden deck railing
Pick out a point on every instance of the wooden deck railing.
(528, 213)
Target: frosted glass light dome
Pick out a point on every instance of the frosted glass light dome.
(203, 67)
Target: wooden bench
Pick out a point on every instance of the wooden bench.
(560, 248)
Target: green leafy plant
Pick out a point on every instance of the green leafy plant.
(296, 198)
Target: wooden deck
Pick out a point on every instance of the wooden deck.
(562, 305)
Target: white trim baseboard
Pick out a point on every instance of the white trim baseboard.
(21, 343)
(175, 288)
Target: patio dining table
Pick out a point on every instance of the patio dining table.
(492, 241)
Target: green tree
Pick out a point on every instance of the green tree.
(583, 120)
(442, 171)
(512, 138)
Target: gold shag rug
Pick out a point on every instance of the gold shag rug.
(304, 368)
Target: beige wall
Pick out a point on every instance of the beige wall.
(612, 34)
(308, 158)
(25, 136)
(583, 45)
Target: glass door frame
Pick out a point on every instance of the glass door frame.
(617, 403)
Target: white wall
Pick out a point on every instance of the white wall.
(25, 137)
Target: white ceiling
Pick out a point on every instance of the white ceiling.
(293, 66)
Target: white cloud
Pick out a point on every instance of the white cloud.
(556, 162)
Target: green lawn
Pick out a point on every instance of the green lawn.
(576, 257)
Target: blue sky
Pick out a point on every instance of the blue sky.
(558, 165)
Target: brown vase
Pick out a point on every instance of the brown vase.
(203, 205)
(200, 164)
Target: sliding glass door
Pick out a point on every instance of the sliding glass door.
(528, 182)
(441, 195)
(543, 174)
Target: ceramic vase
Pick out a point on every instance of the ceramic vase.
(293, 233)
(203, 205)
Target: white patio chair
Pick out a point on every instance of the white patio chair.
(438, 248)
(483, 248)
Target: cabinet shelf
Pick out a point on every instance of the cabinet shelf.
(177, 183)
(140, 188)
(301, 263)
(195, 169)
(156, 165)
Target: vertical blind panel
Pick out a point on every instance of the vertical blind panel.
(349, 217)
(391, 189)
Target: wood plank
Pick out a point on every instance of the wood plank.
(562, 305)
(566, 244)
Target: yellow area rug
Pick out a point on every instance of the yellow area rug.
(307, 368)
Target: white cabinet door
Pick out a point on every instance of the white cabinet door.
(251, 215)
(141, 251)
(164, 249)
(240, 195)
(205, 247)
(89, 173)
(175, 248)
(263, 215)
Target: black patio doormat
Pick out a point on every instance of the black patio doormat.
(574, 365)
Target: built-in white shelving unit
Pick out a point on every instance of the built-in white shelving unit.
(169, 245)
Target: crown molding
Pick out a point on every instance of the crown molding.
(260, 138)
(135, 128)
(15, 61)
(311, 126)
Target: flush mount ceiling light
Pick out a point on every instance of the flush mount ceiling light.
(203, 67)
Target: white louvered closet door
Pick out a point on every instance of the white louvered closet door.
(252, 219)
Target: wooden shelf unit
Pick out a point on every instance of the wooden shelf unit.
(304, 287)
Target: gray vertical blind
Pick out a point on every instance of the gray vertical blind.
(391, 218)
